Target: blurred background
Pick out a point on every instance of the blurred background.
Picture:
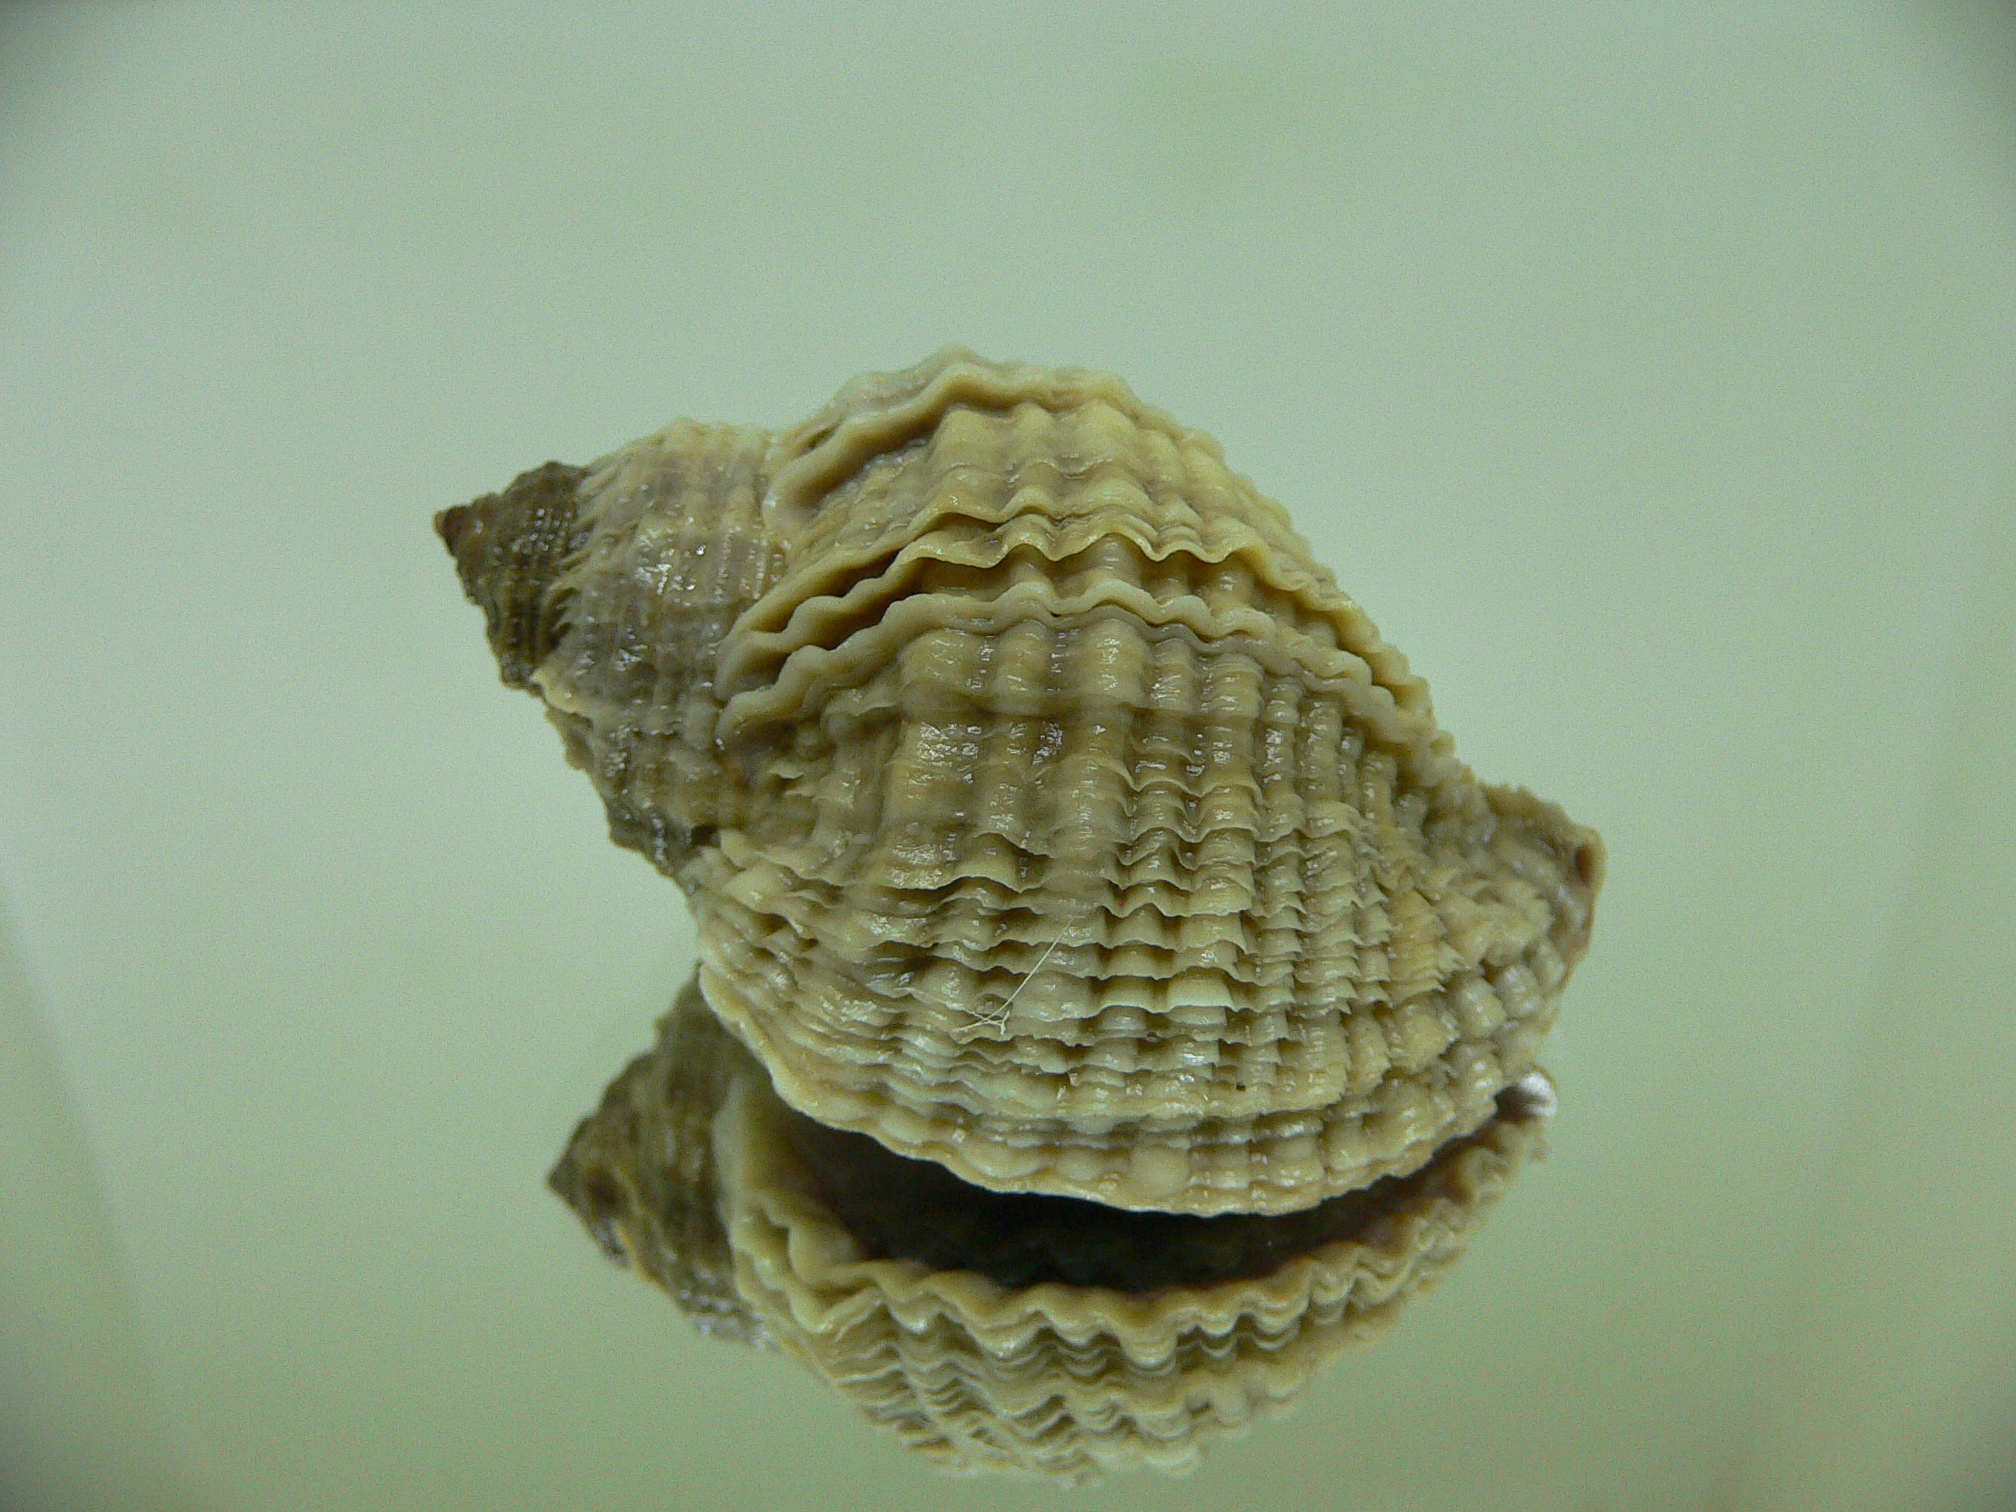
(1648, 374)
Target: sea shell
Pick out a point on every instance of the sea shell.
(1043, 1335)
(1046, 810)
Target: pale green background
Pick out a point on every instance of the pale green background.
(1647, 371)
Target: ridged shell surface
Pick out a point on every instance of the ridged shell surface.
(1046, 810)
(694, 1169)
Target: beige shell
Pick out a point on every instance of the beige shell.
(1046, 811)
(726, 1198)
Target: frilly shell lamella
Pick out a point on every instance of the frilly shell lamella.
(1047, 813)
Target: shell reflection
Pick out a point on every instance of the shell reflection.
(994, 1331)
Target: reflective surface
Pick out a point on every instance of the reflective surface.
(1648, 381)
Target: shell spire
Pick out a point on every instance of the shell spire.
(607, 591)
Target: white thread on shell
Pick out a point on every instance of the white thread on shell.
(997, 1019)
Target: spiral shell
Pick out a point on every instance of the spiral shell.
(1039, 1335)
(1046, 810)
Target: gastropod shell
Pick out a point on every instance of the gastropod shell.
(1052, 822)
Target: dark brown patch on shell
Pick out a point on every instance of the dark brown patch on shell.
(509, 548)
